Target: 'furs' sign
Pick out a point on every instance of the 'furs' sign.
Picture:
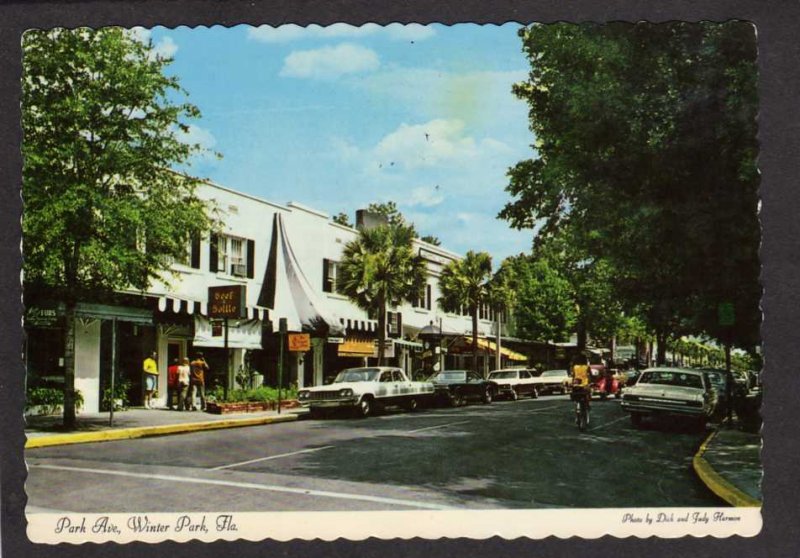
(227, 301)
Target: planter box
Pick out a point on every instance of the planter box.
(219, 408)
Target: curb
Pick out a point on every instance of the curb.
(717, 483)
(148, 431)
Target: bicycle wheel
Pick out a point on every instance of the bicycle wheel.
(583, 417)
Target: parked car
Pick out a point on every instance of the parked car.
(364, 389)
(456, 387)
(553, 381)
(513, 383)
(671, 391)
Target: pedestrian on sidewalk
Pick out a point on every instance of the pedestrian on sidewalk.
(197, 382)
(172, 383)
(150, 372)
(183, 385)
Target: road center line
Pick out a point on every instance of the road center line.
(278, 456)
(249, 485)
(436, 427)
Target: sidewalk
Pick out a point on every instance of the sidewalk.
(43, 431)
(729, 463)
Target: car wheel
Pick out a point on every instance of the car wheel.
(534, 393)
(365, 407)
(513, 396)
(636, 419)
(603, 396)
(411, 405)
(487, 396)
(456, 400)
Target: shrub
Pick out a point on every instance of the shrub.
(120, 393)
(263, 393)
(49, 399)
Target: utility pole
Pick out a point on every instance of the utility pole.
(113, 369)
(497, 361)
(282, 327)
(227, 361)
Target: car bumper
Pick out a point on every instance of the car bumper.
(665, 407)
(329, 403)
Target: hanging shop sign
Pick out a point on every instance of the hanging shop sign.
(336, 340)
(41, 317)
(227, 301)
(299, 342)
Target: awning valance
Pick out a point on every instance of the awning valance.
(175, 305)
(242, 334)
(355, 347)
(490, 346)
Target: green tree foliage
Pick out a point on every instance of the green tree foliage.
(545, 309)
(430, 239)
(388, 210)
(646, 147)
(103, 210)
(379, 268)
(343, 219)
(465, 283)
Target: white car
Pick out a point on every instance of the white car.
(553, 381)
(362, 389)
(670, 391)
(514, 383)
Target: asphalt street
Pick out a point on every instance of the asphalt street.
(523, 454)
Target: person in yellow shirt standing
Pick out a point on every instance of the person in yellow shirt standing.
(150, 370)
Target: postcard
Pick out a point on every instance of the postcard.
(391, 281)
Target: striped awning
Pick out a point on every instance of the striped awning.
(174, 305)
(357, 347)
(490, 346)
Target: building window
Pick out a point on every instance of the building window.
(331, 276)
(232, 255)
(426, 300)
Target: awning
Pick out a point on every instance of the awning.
(242, 334)
(492, 347)
(175, 305)
(355, 347)
(410, 344)
(287, 291)
(107, 312)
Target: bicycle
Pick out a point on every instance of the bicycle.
(581, 398)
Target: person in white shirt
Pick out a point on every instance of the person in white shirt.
(183, 385)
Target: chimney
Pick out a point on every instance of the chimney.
(366, 219)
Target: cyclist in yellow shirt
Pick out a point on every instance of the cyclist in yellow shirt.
(581, 380)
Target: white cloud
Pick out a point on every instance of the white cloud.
(425, 197)
(330, 62)
(292, 32)
(197, 135)
(432, 144)
(165, 48)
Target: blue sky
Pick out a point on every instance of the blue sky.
(338, 117)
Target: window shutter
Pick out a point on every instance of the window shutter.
(326, 284)
(428, 296)
(399, 324)
(251, 258)
(213, 255)
(194, 258)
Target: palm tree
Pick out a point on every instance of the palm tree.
(379, 268)
(465, 284)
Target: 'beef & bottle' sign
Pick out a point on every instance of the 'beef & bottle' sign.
(228, 301)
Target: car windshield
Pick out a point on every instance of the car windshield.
(358, 375)
(671, 378)
(449, 375)
(550, 373)
(503, 374)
